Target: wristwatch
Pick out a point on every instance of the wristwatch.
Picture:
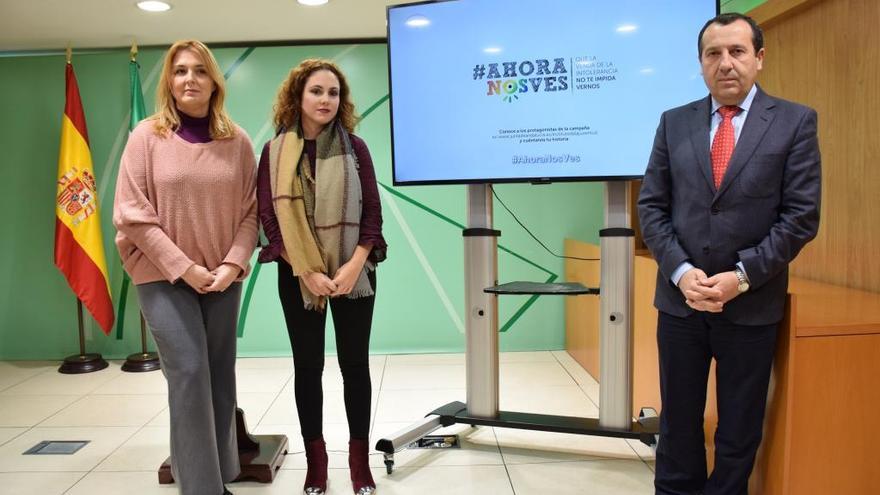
(742, 281)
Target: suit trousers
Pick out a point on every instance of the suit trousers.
(195, 336)
(743, 359)
(352, 320)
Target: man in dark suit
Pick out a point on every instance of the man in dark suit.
(730, 196)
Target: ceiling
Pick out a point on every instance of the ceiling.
(35, 25)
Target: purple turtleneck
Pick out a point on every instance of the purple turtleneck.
(194, 129)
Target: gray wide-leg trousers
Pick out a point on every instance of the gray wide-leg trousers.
(195, 337)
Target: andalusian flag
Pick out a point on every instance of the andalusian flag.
(138, 113)
(79, 249)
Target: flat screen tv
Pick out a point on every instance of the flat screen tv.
(490, 91)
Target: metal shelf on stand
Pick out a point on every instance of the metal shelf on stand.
(544, 289)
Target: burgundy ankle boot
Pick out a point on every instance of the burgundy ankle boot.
(316, 458)
(359, 464)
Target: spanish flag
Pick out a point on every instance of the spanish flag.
(79, 249)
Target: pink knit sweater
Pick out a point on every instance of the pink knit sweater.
(179, 203)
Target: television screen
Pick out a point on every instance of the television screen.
(510, 91)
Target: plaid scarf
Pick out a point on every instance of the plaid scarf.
(319, 216)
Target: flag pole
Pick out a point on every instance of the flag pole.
(82, 332)
(144, 360)
(82, 362)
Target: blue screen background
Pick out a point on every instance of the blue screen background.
(447, 128)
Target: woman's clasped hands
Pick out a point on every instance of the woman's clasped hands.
(203, 280)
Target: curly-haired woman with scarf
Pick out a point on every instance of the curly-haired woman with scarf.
(319, 206)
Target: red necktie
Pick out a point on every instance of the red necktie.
(722, 145)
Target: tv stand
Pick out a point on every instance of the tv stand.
(481, 353)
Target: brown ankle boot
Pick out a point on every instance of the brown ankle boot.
(316, 459)
(359, 464)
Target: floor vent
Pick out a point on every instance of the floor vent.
(56, 447)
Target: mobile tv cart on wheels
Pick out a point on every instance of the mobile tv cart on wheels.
(481, 328)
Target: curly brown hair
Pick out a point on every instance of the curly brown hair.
(288, 103)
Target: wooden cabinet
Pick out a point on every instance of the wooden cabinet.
(820, 436)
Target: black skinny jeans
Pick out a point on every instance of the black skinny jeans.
(352, 319)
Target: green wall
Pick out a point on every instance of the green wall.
(421, 294)
(743, 6)
(424, 268)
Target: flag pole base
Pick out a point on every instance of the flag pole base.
(141, 362)
(82, 363)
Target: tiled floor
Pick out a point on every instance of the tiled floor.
(125, 416)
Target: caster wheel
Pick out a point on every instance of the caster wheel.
(389, 466)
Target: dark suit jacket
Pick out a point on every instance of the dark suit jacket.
(764, 212)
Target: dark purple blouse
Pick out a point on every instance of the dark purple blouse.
(194, 129)
(371, 212)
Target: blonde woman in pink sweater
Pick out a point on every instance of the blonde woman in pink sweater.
(185, 212)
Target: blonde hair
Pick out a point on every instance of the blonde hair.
(167, 118)
(288, 103)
